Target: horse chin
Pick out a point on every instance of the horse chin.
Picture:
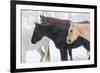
(33, 42)
(68, 42)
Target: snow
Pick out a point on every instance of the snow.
(79, 53)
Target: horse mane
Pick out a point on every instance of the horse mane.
(84, 22)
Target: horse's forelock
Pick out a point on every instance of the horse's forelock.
(71, 25)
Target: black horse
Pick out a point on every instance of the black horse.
(58, 33)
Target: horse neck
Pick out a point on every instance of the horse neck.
(56, 21)
(80, 41)
(86, 44)
(83, 39)
(46, 31)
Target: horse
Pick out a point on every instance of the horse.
(56, 21)
(66, 24)
(27, 45)
(51, 20)
(57, 33)
(78, 29)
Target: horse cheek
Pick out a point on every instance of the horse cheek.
(75, 35)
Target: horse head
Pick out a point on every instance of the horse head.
(37, 34)
(73, 34)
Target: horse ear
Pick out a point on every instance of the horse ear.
(40, 16)
(35, 23)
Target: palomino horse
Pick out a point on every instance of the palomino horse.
(78, 29)
(57, 33)
(27, 45)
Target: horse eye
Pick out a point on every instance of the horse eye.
(71, 30)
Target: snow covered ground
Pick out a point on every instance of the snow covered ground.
(78, 54)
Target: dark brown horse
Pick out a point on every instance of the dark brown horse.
(56, 21)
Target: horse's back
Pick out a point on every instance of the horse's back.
(84, 29)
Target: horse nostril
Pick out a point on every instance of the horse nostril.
(69, 40)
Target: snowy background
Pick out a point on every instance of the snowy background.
(29, 51)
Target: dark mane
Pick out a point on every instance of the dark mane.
(84, 22)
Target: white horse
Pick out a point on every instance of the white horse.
(27, 45)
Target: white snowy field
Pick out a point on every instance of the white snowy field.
(28, 51)
(79, 53)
